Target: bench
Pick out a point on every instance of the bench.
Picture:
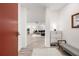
(69, 49)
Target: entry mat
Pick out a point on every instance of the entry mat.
(46, 52)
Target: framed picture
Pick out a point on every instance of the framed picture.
(75, 20)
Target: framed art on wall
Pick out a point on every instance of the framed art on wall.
(75, 20)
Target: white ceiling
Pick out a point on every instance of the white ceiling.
(36, 6)
(54, 6)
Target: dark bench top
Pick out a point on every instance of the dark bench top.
(71, 50)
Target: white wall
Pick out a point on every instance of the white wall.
(54, 19)
(36, 13)
(47, 29)
(62, 19)
(22, 16)
(70, 34)
(52, 22)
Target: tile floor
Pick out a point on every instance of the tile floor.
(34, 41)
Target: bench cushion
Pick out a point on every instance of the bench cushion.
(71, 50)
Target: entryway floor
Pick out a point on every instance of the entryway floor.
(34, 41)
(36, 47)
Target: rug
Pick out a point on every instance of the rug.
(46, 52)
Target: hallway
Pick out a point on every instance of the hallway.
(34, 41)
(52, 21)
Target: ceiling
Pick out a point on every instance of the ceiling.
(54, 6)
(36, 6)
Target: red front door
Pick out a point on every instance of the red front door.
(8, 29)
